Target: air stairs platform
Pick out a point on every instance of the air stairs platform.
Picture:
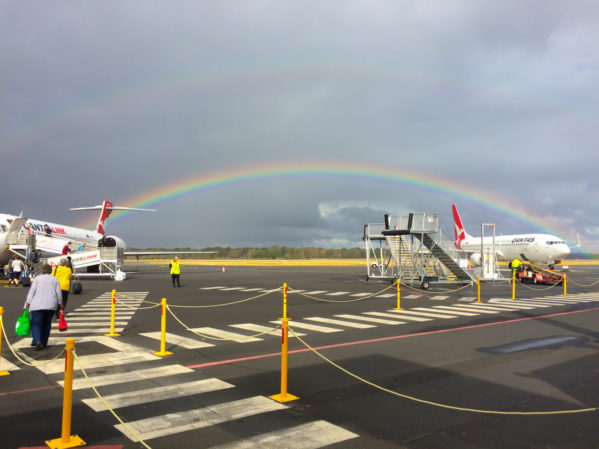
(412, 248)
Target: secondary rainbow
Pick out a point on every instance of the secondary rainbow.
(205, 182)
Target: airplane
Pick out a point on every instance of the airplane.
(535, 248)
(53, 242)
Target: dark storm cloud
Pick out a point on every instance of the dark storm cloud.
(107, 100)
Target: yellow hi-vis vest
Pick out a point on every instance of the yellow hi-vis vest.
(175, 267)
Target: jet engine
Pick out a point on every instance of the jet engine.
(475, 259)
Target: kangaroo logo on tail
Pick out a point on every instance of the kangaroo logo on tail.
(458, 228)
(106, 210)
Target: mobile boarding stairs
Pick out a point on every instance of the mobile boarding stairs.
(413, 249)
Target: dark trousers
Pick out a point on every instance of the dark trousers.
(65, 297)
(41, 323)
(175, 278)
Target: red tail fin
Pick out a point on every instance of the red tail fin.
(106, 210)
(458, 227)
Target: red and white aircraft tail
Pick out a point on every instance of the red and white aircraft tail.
(458, 228)
(106, 209)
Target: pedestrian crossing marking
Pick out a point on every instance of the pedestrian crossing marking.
(225, 335)
(369, 319)
(316, 292)
(476, 308)
(386, 295)
(398, 315)
(433, 315)
(439, 298)
(339, 322)
(261, 329)
(312, 435)
(156, 394)
(452, 309)
(337, 293)
(129, 376)
(360, 295)
(171, 423)
(311, 327)
(178, 340)
(412, 296)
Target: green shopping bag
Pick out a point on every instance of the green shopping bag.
(23, 326)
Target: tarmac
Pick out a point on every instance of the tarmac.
(441, 371)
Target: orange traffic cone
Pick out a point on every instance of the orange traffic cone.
(223, 270)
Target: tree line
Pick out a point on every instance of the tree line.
(270, 252)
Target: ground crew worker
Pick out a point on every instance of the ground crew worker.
(175, 267)
(515, 264)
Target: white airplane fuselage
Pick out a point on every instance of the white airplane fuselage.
(536, 248)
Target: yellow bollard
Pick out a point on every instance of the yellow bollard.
(112, 313)
(2, 372)
(514, 286)
(67, 440)
(284, 396)
(565, 281)
(398, 295)
(163, 350)
(478, 288)
(285, 300)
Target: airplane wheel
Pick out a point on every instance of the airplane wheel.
(425, 285)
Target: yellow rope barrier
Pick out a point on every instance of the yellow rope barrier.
(437, 404)
(199, 334)
(229, 303)
(344, 300)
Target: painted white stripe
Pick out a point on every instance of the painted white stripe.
(212, 288)
(467, 298)
(494, 307)
(77, 324)
(178, 340)
(259, 329)
(337, 293)
(129, 376)
(433, 315)
(226, 335)
(292, 290)
(512, 303)
(173, 423)
(157, 394)
(413, 296)
(231, 288)
(360, 295)
(557, 302)
(98, 361)
(454, 311)
(370, 320)
(339, 322)
(473, 308)
(310, 327)
(398, 315)
(313, 435)
(439, 298)
(386, 295)
(88, 315)
(255, 289)
(5, 365)
(316, 292)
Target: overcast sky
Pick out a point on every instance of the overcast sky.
(112, 99)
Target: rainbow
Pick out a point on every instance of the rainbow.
(407, 178)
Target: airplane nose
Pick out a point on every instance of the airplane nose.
(563, 251)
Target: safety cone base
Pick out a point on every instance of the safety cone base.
(74, 441)
(283, 397)
(112, 334)
(4, 373)
(162, 353)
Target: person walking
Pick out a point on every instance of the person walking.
(43, 300)
(64, 274)
(175, 267)
(18, 267)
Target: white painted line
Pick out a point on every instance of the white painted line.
(473, 308)
(225, 335)
(432, 315)
(467, 298)
(413, 296)
(398, 315)
(5, 365)
(255, 289)
(129, 376)
(439, 298)
(339, 322)
(98, 361)
(495, 307)
(316, 292)
(311, 327)
(512, 303)
(261, 329)
(454, 311)
(312, 435)
(386, 295)
(337, 293)
(231, 288)
(212, 288)
(173, 423)
(178, 340)
(156, 394)
(370, 320)
(360, 295)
